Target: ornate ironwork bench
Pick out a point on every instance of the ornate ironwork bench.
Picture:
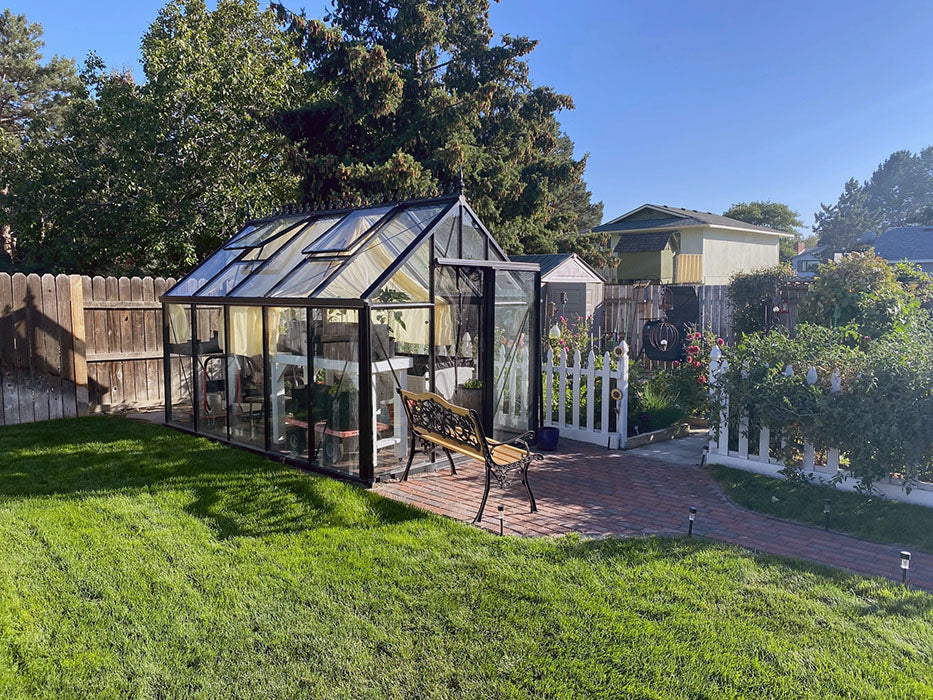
(439, 424)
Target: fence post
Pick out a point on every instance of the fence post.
(716, 366)
(622, 420)
(605, 374)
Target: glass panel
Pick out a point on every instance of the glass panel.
(268, 249)
(400, 344)
(306, 278)
(445, 237)
(513, 336)
(354, 225)
(179, 360)
(458, 295)
(335, 389)
(474, 240)
(288, 372)
(267, 230)
(244, 353)
(410, 282)
(211, 374)
(210, 267)
(285, 259)
(380, 252)
(228, 279)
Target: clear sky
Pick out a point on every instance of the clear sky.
(691, 104)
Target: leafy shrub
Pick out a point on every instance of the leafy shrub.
(881, 417)
(749, 292)
(864, 290)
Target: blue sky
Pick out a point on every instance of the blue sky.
(690, 104)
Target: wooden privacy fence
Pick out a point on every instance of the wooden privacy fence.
(749, 447)
(578, 397)
(73, 344)
(626, 307)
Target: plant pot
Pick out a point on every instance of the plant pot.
(469, 398)
(547, 438)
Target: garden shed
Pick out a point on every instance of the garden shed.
(294, 336)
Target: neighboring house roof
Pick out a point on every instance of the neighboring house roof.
(810, 252)
(643, 242)
(550, 262)
(678, 218)
(912, 243)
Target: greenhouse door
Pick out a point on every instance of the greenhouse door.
(486, 334)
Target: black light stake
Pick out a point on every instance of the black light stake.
(691, 517)
(501, 521)
(905, 564)
(826, 514)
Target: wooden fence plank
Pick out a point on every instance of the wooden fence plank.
(117, 391)
(79, 341)
(50, 345)
(66, 323)
(138, 344)
(152, 342)
(37, 383)
(103, 373)
(7, 338)
(126, 343)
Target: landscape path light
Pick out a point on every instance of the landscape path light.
(826, 502)
(905, 565)
(501, 520)
(691, 517)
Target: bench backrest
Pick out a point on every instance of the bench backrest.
(431, 414)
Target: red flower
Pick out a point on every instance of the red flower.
(702, 379)
(676, 363)
(693, 350)
(720, 342)
(697, 364)
(866, 338)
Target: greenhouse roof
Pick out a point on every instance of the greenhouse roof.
(381, 252)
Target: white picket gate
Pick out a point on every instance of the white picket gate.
(586, 382)
(757, 458)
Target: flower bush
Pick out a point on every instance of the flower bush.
(574, 335)
(880, 415)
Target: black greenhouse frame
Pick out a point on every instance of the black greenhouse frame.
(293, 394)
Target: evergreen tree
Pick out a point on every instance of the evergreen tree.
(33, 96)
(404, 96)
(839, 226)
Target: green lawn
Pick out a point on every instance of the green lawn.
(137, 561)
(865, 516)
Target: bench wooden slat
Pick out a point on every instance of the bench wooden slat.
(501, 454)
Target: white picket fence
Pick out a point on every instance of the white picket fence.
(586, 382)
(757, 458)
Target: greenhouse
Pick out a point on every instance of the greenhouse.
(294, 336)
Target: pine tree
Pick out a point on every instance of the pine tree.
(404, 96)
(841, 225)
(32, 98)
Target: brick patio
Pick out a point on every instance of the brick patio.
(595, 492)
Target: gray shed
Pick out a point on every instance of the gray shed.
(569, 287)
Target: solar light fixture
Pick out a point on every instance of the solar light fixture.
(691, 517)
(905, 565)
(501, 520)
(554, 333)
(826, 502)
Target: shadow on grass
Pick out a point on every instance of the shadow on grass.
(237, 492)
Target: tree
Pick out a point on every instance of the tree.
(901, 189)
(839, 226)
(150, 178)
(752, 296)
(404, 96)
(33, 96)
(774, 215)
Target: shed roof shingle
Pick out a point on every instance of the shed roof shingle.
(682, 217)
(643, 242)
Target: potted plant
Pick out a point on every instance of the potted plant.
(470, 395)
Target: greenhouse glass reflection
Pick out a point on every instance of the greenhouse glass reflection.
(294, 337)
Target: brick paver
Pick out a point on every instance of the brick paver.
(596, 492)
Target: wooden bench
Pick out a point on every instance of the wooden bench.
(439, 424)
